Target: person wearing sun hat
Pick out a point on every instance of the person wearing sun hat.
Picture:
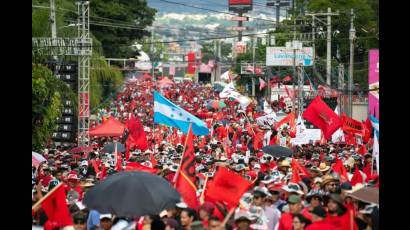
(330, 184)
(314, 198)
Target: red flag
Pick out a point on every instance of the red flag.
(227, 186)
(295, 173)
(362, 149)
(287, 78)
(339, 168)
(134, 166)
(55, 207)
(136, 137)
(357, 177)
(95, 166)
(185, 177)
(290, 118)
(319, 114)
(350, 124)
(301, 168)
(103, 172)
(262, 84)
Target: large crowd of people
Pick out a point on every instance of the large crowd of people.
(320, 199)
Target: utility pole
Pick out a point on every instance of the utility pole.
(53, 21)
(313, 44)
(253, 60)
(152, 52)
(277, 13)
(294, 62)
(240, 25)
(300, 89)
(329, 46)
(341, 85)
(352, 36)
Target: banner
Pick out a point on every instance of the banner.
(374, 82)
(351, 125)
(306, 137)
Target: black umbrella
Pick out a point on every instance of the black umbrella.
(277, 151)
(132, 194)
(110, 148)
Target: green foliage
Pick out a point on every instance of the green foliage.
(366, 23)
(48, 94)
(116, 42)
(104, 81)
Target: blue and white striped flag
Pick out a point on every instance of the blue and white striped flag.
(375, 124)
(169, 114)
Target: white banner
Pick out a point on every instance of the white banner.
(309, 135)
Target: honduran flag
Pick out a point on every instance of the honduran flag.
(169, 114)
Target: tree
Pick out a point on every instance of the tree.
(366, 23)
(48, 93)
(127, 20)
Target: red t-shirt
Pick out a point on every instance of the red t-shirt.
(321, 225)
(285, 222)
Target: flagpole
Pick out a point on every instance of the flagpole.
(182, 157)
(227, 217)
(201, 199)
(46, 196)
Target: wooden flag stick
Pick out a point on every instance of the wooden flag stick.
(201, 199)
(227, 217)
(35, 206)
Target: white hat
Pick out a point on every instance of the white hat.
(173, 167)
(107, 215)
(257, 166)
(181, 205)
(147, 164)
(243, 215)
(84, 163)
(223, 158)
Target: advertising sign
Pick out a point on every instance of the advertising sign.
(374, 82)
(240, 5)
(240, 47)
(282, 56)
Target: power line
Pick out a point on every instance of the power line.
(211, 10)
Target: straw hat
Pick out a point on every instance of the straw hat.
(284, 163)
(327, 179)
(323, 167)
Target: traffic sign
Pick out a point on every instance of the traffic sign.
(239, 28)
(237, 18)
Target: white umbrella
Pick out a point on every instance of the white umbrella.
(37, 158)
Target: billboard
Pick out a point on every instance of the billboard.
(374, 82)
(282, 56)
(240, 47)
(240, 5)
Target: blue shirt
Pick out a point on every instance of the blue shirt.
(93, 219)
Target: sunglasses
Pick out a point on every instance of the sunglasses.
(333, 184)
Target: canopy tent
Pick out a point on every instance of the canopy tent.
(110, 127)
(146, 76)
(165, 82)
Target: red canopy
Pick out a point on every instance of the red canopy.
(146, 76)
(110, 127)
(165, 82)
